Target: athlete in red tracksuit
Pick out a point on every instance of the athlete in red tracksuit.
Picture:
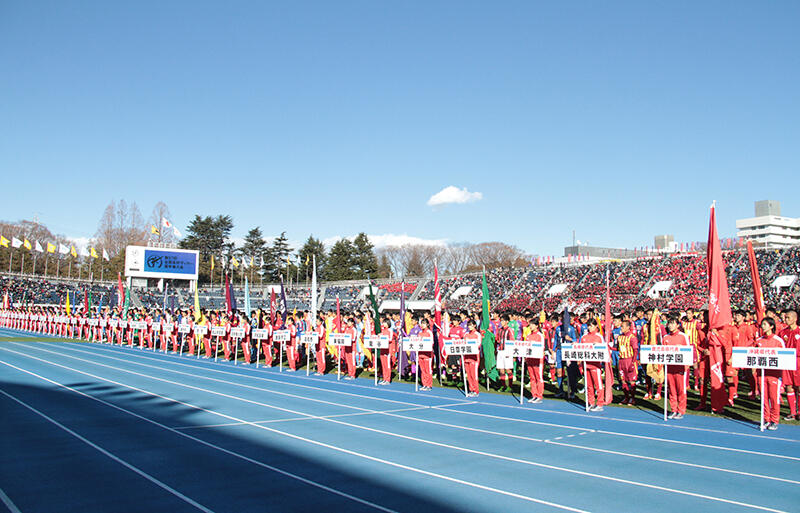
(772, 378)
(747, 338)
(535, 365)
(387, 355)
(791, 378)
(349, 350)
(425, 364)
(291, 348)
(677, 375)
(320, 349)
(595, 393)
(471, 361)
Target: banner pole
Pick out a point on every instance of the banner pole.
(235, 351)
(258, 352)
(666, 389)
(308, 361)
(522, 381)
(416, 373)
(763, 393)
(464, 375)
(280, 366)
(375, 359)
(585, 387)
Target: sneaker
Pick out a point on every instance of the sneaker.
(772, 426)
(349, 377)
(582, 390)
(596, 409)
(318, 374)
(559, 394)
(790, 417)
(657, 397)
(672, 415)
(646, 396)
(678, 416)
(534, 400)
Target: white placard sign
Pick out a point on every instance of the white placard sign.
(217, 331)
(281, 336)
(775, 358)
(259, 333)
(157, 326)
(585, 352)
(417, 343)
(237, 332)
(669, 355)
(139, 325)
(376, 341)
(340, 339)
(92, 322)
(461, 346)
(183, 328)
(200, 329)
(310, 338)
(168, 327)
(524, 348)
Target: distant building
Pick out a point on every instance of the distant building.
(665, 242)
(768, 227)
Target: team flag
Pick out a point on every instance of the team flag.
(63, 249)
(488, 337)
(719, 301)
(197, 316)
(154, 230)
(246, 297)
(609, 372)
(127, 303)
(51, 248)
(285, 310)
(307, 260)
(165, 223)
(212, 262)
(67, 307)
(374, 304)
(39, 247)
(105, 256)
(227, 295)
(233, 297)
(73, 252)
(756, 279)
(3, 241)
(437, 298)
(93, 253)
(120, 290)
(234, 262)
(176, 233)
(26, 244)
(15, 242)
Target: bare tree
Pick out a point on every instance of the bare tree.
(495, 254)
(165, 235)
(120, 225)
(458, 257)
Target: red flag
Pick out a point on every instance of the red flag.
(120, 291)
(227, 295)
(85, 300)
(757, 294)
(273, 306)
(719, 301)
(437, 298)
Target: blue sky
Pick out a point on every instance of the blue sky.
(620, 120)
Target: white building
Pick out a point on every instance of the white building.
(769, 227)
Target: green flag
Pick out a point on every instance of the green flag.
(375, 309)
(489, 361)
(90, 303)
(127, 303)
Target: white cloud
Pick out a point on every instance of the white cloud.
(390, 239)
(452, 194)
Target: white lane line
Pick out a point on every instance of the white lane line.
(464, 403)
(617, 433)
(416, 439)
(294, 396)
(119, 460)
(673, 462)
(442, 407)
(8, 502)
(283, 433)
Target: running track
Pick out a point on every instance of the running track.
(92, 427)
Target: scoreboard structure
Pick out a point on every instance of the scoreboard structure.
(161, 263)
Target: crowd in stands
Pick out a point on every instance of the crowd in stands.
(510, 289)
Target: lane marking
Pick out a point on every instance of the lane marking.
(8, 502)
(289, 435)
(411, 438)
(119, 460)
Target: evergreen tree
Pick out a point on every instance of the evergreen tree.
(253, 249)
(312, 247)
(340, 263)
(384, 268)
(278, 253)
(210, 236)
(364, 259)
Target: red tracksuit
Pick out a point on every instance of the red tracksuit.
(535, 367)
(387, 355)
(595, 392)
(772, 383)
(471, 362)
(425, 364)
(677, 377)
(791, 339)
(349, 350)
(291, 348)
(747, 338)
(320, 350)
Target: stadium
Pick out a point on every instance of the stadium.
(364, 280)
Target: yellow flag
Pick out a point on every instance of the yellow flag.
(27, 244)
(66, 305)
(73, 252)
(3, 241)
(234, 262)
(51, 248)
(307, 256)
(93, 253)
(153, 229)
(196, 304)
(212, 262)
